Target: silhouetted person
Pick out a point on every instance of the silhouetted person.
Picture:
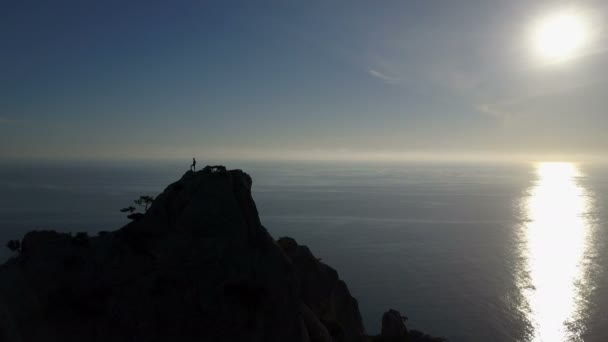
(193, 166)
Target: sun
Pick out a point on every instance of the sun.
(560, 36)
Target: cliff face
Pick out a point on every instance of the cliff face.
(324, 294)
(198, 266)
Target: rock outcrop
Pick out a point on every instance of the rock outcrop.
(393, 327)
(394, 330)
(197, 266)
(322, 291)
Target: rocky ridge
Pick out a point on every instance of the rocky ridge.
(197, 266)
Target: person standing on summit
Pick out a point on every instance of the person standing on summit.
(193, 166)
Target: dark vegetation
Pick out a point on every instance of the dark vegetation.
(14, 246)
(81, 239)
(143, 201)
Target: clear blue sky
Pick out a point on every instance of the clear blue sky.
(293, 79)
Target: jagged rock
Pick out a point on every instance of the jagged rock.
(325, 294)
(317, 331)
(393, 328)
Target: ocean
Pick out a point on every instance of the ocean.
(471, 252)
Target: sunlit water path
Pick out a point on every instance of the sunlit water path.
(555, 239)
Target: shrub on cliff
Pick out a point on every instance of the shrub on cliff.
(14, 245)
(81, 239)
(143, 201)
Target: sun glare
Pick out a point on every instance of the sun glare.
(556, 234)
(560, 36)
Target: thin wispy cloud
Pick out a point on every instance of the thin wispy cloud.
(11, 121)
(383, 77)
(510, 107)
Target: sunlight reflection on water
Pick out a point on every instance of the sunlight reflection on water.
(555, 239)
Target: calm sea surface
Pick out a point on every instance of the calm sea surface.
(471, 252)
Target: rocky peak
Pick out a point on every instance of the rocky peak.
(197, 266)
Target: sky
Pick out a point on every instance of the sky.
(293, 79)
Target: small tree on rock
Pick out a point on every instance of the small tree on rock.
(14, 245)
(130, 209)
(144, 201)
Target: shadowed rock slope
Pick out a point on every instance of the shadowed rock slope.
(198, 266)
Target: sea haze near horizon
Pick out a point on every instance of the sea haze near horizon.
(472, 252)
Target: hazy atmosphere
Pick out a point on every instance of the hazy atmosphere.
(301, 79)
(304, 171)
